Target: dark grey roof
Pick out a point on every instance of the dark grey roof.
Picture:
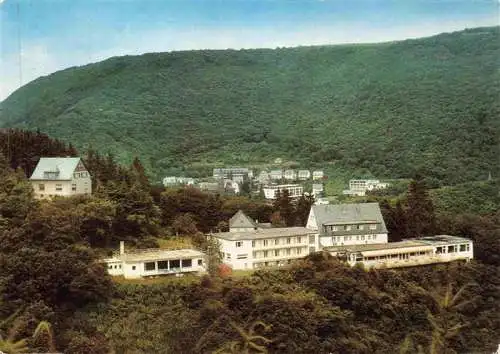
(240, 219)
(341, 214)
(273, 232)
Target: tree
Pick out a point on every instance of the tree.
(303, 207)
(283, 204)
(184, 224)
(248, 341)
(446, 322)
(139, 173)
(420, 210)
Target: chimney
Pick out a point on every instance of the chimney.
(122, 247)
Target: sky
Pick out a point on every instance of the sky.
(39, 37)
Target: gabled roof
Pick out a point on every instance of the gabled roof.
(240, 219)
(333, 214)
(63, 166)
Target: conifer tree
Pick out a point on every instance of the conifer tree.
(420, 210)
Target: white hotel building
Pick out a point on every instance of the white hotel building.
(248, 245)
(294, 190)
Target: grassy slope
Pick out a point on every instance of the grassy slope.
(384, 109)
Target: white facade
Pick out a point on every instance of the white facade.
(155, 262)
(237, 174)
(173, 181)
(294, 190)
(317, 190)
(290, 175)
(347, 224)
(359, 187)
(62, 177)
(304, 175)
(276, 175)
(265, 247)
(421, 251)
(318, 175)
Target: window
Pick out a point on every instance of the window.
(228, 255)
(110, 267)
(150, 266)
(374, 237)
(311, 240)
(265, 253)
(288, 240)
(299, 250)
(175, 263)
(242, 256)
(163, 265)
(73, 187)
(276, 253)
(362, 237)
(200, 262)
(359, 227)
(368, 237)
(346, 238)
(239, 243)
(373, 227)
(288, 251)
(186, 263)
(115, 266)
(277, 241)
(468, 247)
(265, 242)
(41, 187)
(335, 228)
(357, 238)
(133, 267)
(59, 187)
(299, 239)
(451, 249)
(253, 243)
(462, 248)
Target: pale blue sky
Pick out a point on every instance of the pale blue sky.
(39, 37)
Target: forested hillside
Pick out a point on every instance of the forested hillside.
(389, 109)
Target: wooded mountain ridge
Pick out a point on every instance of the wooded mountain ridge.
(388, 109)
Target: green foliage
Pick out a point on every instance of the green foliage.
(390, 109)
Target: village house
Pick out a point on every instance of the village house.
(318, 175)
(294, 190)
(171, 181)
(248, 245)
(359, 187)
(60, 176)
(414, 252)
(276, 175)
(317, 190)
(347, 224)
(290, 175)
(304, 175)
(237, 174)
(155, 262)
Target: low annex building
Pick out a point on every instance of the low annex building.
(155, 262)
(250, 245)
(347, 224)
(60, 176)
(414, 252)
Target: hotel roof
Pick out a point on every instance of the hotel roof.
(156, 255)
(264, 233)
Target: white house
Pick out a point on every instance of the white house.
(264, 177)
(175, 181)
(248, 246)
(317, 190)
(407, 253)
(347, 224)
(359, 187)
(237, 174)
(60, 176)
(276, 175)
(154, 262)
(294, 190)
(290, 175)
(318, 175)
(304, 175)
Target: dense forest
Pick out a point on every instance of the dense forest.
(56, 297)
(429, 105)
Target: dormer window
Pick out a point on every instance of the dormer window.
(51, 174)
(373, 227)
